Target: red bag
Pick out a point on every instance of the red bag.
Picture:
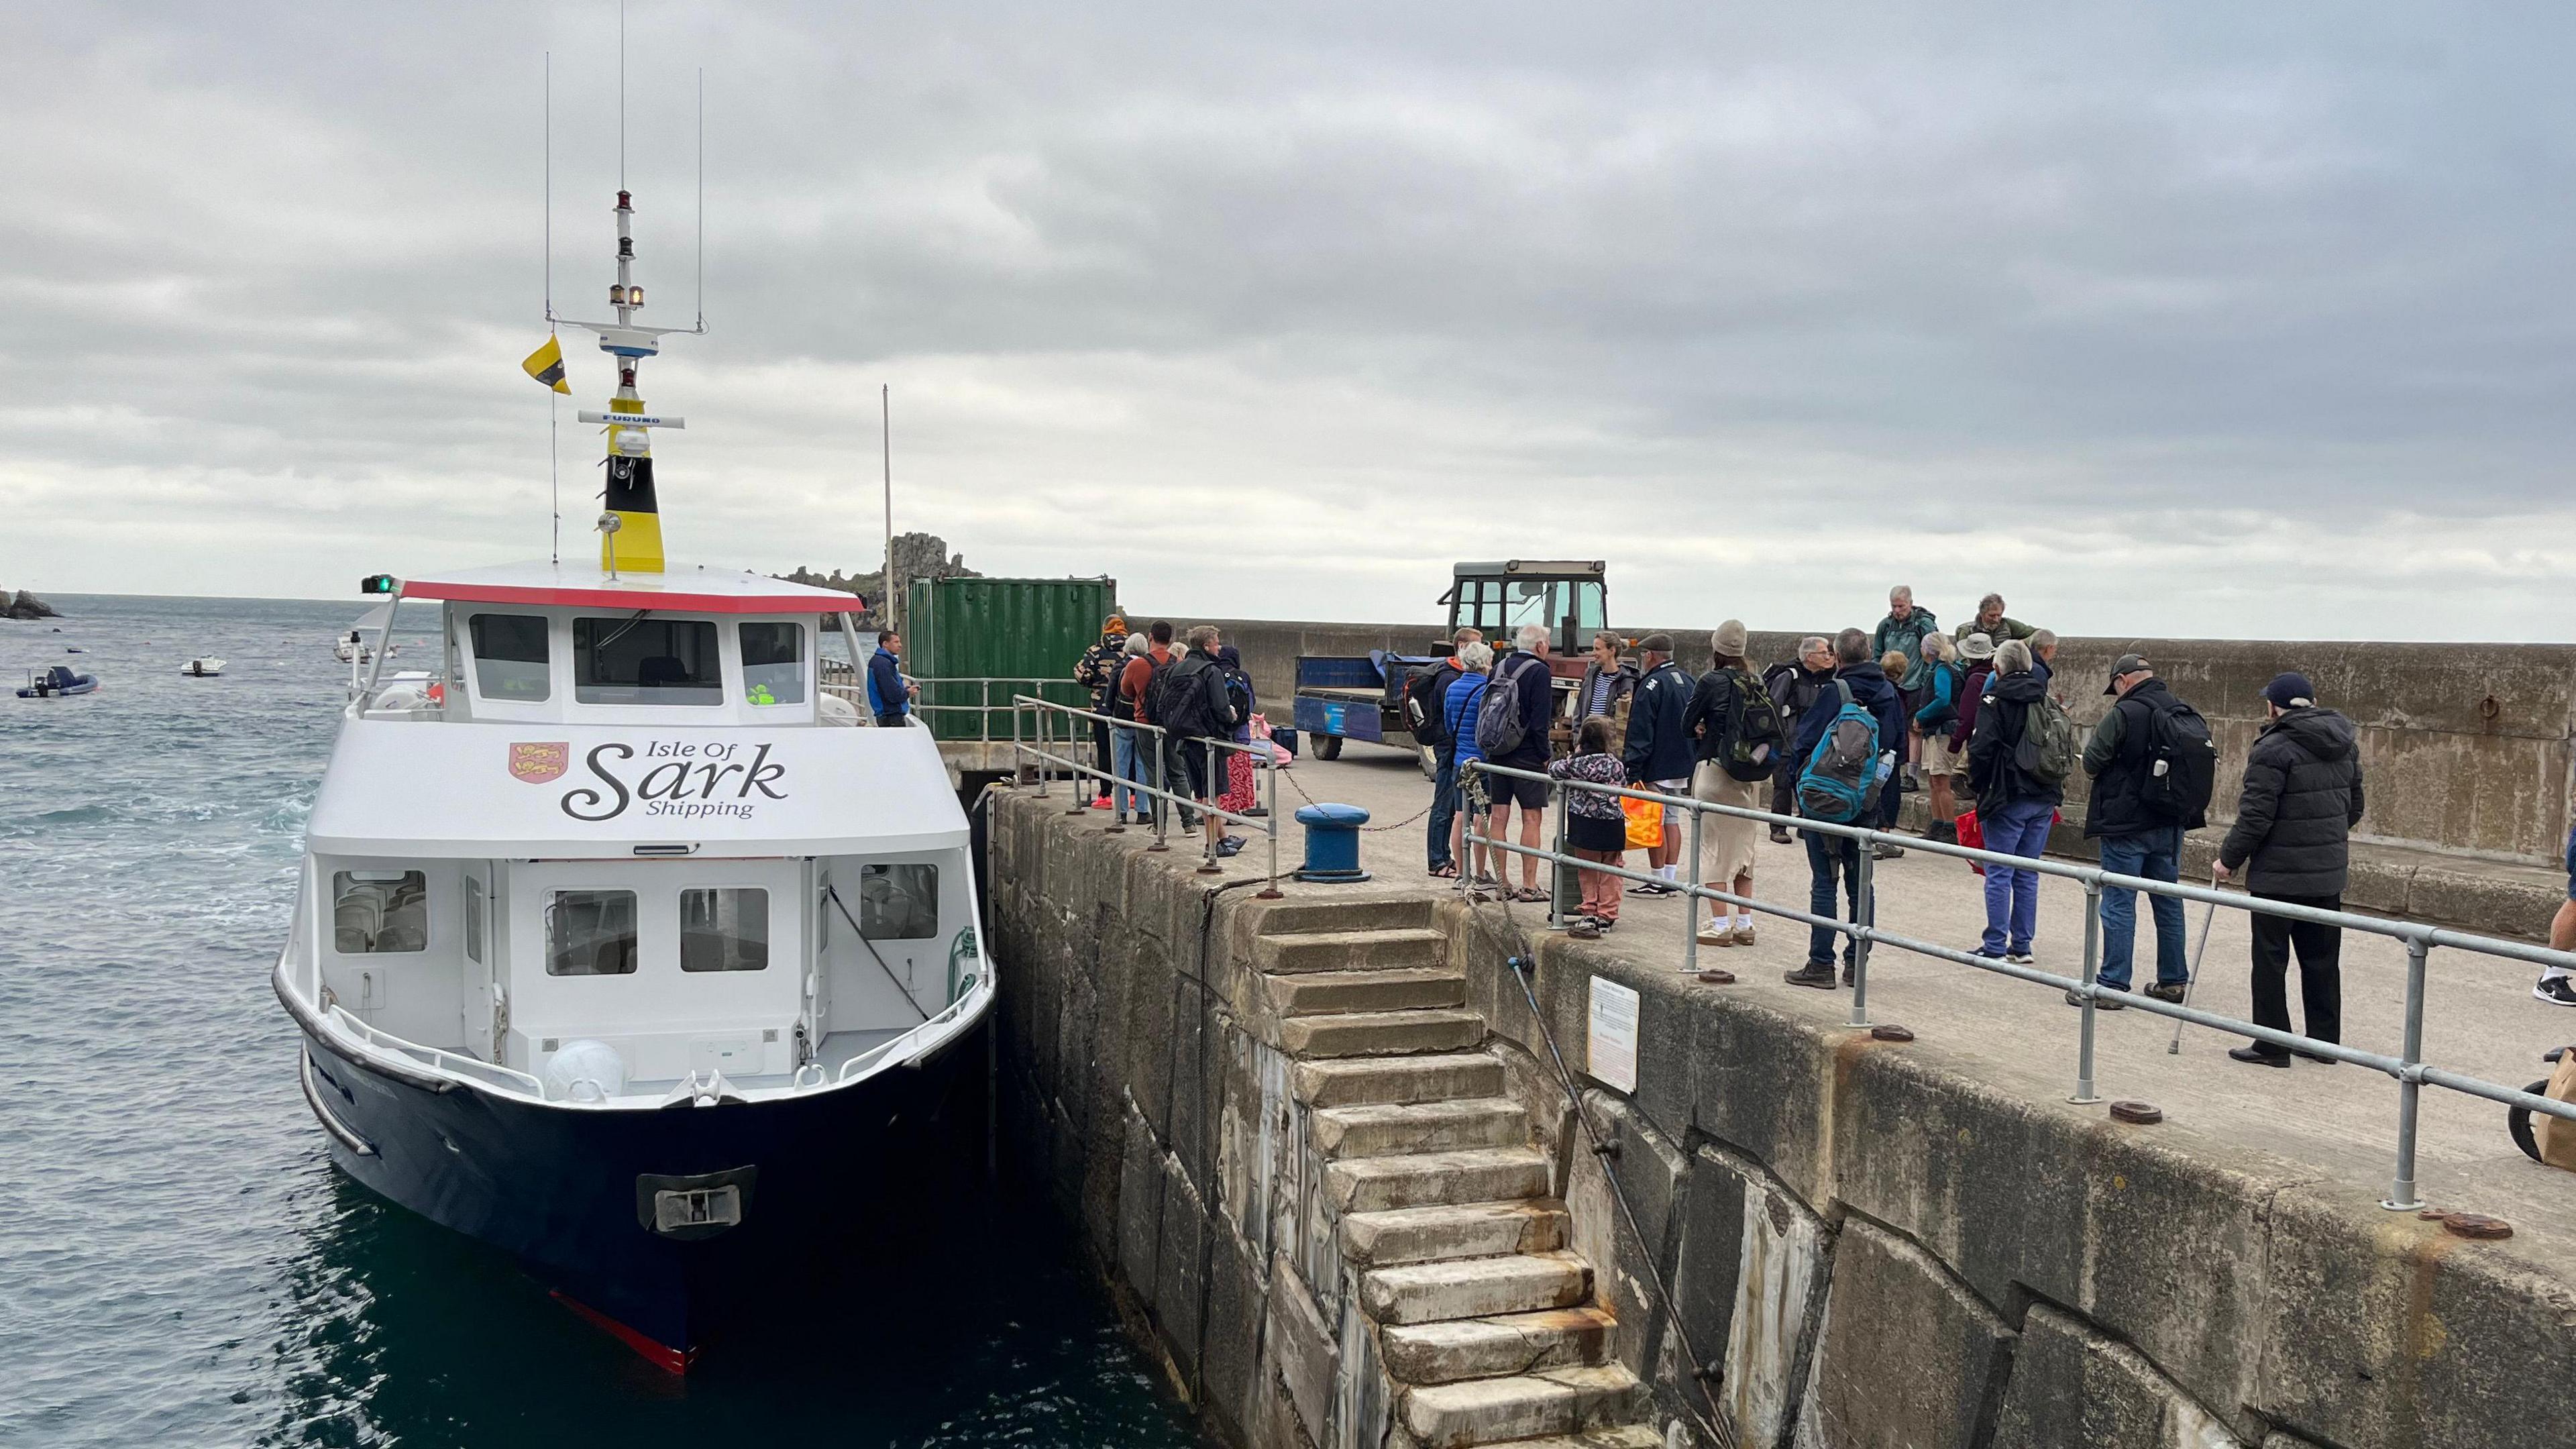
(1973, 836)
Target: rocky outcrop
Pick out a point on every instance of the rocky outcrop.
(916, 556)
(24, 605)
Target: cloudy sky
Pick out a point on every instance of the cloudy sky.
(2199, 319)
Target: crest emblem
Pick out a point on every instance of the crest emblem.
(539, 763)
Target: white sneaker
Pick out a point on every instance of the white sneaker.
(1744, 931)
(2556, 990)
(2021, 958)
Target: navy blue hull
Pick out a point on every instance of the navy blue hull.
(558, 1187)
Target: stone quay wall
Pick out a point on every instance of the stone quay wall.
(1865, 1244)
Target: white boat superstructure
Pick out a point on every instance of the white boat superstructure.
(204, 666)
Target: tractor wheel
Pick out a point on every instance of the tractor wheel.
(1328, 747)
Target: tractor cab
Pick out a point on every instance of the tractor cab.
(1568, 596)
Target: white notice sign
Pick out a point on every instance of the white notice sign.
(1614, 1034)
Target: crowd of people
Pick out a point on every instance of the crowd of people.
(1974, 720)
(1193, 694)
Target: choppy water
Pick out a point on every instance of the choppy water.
(179, 1262)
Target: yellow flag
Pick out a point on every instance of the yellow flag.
(546, 366)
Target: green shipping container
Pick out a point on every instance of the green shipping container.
(1024, 635)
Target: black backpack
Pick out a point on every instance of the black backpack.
(1168, 697)
(1426, 703)
(1746, 741)
(2181, 770)
(1238, 695)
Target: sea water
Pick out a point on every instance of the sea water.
(180, 1264)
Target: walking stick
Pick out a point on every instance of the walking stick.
(2208, 918)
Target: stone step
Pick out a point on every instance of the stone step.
(1384, 1129)
(1314, 992)
(1399, 1079)
(1425, 1179)
(1483, 1348)
(1475, 1287)
(1343, 913)
(1467, 1230)
(1626, 1436)
(1562, 1401)
(1382, 1033)
(1379, 950)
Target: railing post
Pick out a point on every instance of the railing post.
(2085, 1095)
(1045, 765)
(1690, 915)
(2401, 1194)
(1864, 916)
(1270, 792)
(1557, 794)
(1207, 847)
(1162, 777)
(1016, 757)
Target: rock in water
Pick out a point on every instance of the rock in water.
(24, 605)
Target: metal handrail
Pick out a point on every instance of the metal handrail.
(1268, 821)
(946, 1015)
(511, 1078)
(857, 694)
(2409, 1069)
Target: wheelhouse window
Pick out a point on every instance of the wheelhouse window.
(379, 911)
(773, 663)
(898, 901)
(510, 659)
(473, 920)
(644, 660)
(724, 929)
(590, 933)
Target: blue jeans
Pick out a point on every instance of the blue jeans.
(1127, 765)
(1827, 855)
(2012, 893)
(2151, 855)
(1444, 804)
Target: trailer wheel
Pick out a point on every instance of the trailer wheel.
(1328, 747)
(1430, 762)
(2517, 1120)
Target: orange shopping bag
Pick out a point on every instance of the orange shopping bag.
(1645, 823)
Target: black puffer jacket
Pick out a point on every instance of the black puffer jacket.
(2302, 798)
(1995, 748)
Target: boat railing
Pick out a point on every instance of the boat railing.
(937, 698)
(507, 1078)
(853, 1068)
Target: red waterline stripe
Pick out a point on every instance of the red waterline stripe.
(659, 1354)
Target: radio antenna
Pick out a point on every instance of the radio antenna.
(702, 198)
(554, 453)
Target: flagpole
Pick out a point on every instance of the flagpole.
(554, 452)
(885, 416)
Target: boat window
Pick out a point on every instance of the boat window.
(590, 933)
(509, 657)
(646, 661)
(898, 902)
(773, 663)
(375, 911)
(724, 929)
(473, 919)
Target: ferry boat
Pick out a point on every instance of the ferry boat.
(617, 944)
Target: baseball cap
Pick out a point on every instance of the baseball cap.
(2128, 664)
(2290, 690)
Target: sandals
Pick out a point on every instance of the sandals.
(1529, 896)
(1444, 872)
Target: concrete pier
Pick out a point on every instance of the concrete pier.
(1385, 1230)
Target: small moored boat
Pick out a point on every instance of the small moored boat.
(56, 681)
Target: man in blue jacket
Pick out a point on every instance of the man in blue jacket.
(1659, 755)
(1829, 855)
(889, 695)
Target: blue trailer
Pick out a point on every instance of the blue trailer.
(1357, 697)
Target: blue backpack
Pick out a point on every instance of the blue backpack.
(1840, 781)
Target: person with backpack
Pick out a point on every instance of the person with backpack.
(1793, 688)
(2152, 763)
(1842, 758)
(2018, 762)
(1127, 763)
(2293, 840)
(1460, 710)
(1656, 751)
(1939, 759)
(1511, 729)
(1135, 684)
(1189, 698)
(1735, 733)
(1426, 715)
(1241, 792)
(1097, 674)
(1977, 657)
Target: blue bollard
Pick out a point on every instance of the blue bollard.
(1332, 842)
